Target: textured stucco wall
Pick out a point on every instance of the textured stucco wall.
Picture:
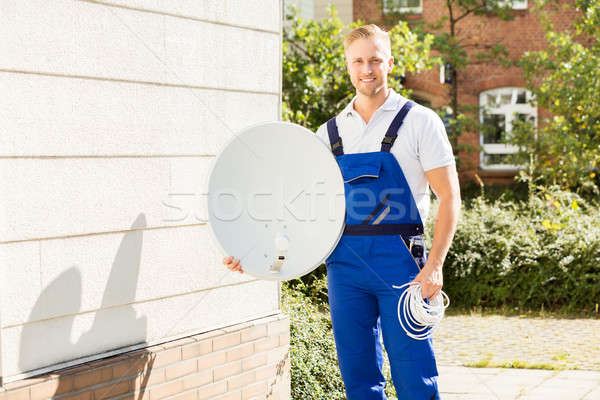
(112, 113)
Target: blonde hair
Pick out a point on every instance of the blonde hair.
(366, 32)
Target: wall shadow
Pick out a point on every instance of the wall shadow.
(115, 325)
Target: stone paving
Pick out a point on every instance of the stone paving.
(461, 383)
(561, 357)
(547, 343)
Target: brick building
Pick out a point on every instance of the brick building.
(500, 90)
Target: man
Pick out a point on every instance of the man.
(391, 150)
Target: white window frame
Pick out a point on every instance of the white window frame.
(509, 111)
(516, 4)
(415, 10)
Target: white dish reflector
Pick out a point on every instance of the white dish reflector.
(276, 200)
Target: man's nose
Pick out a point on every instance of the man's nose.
(368, 68)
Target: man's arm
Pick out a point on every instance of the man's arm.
(444, 183)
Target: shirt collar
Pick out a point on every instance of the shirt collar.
(391, 104)
(349, 109)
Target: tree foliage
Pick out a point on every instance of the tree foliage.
(316, 85)
(461, 44)
(565, 80)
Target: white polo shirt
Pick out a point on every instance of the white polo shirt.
(422, 143)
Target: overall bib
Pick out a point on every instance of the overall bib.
(382, 223)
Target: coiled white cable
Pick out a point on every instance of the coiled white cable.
(421, 317)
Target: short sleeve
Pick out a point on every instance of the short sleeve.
(323, 136)
(434, 148)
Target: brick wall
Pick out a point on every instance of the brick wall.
(244, 361)
(366, 10)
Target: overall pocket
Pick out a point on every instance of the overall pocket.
(362, 188)
(356, 172)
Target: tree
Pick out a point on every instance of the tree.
(565, 80)
(315, 82)
(459, 49)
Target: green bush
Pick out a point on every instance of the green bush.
(544, 252)
(315, 373)
(313, 286)
(515, 191)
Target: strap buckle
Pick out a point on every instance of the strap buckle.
(337, 144)
(387, 140)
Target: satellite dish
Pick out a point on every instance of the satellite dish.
(276, 200)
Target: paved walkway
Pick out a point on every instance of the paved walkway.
(462, 383)
(546, 343)
(566, 353)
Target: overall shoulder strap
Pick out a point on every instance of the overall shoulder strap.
(392, 132)
(334, 138)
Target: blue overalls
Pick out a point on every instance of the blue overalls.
(373, 254)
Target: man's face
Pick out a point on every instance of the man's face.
(369, 62)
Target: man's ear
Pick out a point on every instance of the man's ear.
(390, 64)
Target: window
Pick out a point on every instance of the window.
(499, 108)
(519, 5)
(516, 4)
(402, 6)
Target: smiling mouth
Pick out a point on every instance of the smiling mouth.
(368, 80)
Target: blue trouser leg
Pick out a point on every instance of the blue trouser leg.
(355, 321)
(412, 362)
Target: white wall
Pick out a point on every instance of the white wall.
(112, 112)
(343, 7)
(319, 9)
(306, 8)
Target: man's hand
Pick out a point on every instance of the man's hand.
(233, 264)
(431, 280)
